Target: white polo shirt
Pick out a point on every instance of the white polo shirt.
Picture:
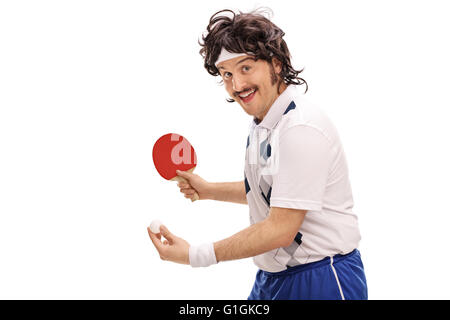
(295, 159)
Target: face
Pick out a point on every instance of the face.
(253, 84)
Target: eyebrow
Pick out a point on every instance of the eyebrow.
(240, 61)
(246, 58)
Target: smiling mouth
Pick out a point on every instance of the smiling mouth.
(247, 96)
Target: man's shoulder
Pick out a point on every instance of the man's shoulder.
(302, 112)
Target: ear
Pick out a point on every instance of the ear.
(277, 65)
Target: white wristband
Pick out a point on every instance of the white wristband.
(202, 255)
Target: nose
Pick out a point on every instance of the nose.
(239, 83)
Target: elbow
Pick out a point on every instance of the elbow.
(282, 235)
(285, 224)
(287, 239)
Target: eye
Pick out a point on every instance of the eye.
(226, 75)
(246, 68)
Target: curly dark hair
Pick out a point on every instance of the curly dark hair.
(247, 32)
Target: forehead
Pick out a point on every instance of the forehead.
(228, 64)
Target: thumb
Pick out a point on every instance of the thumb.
(184, 174)
(166, 233)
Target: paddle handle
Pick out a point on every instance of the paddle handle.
(181, 179)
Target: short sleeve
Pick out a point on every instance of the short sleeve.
(305, 155)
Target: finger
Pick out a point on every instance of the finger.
(183, 185)
(184, 174)
(156, 239)
(158, 235)
(167, 234)
(187, 186)
(188, 191)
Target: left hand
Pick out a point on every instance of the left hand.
(173, 249)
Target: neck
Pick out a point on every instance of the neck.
(281, 89)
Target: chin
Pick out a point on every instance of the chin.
(249, 111)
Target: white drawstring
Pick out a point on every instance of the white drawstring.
(337, 279)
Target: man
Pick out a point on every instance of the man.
(303, 234)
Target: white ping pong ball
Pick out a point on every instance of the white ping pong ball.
(155, 225)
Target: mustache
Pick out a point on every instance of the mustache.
(237, 93)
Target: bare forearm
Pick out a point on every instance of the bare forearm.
(229, 191)
(250, 242)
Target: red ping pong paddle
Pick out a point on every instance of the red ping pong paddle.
(173, 152)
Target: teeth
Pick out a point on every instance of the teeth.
(247, 94)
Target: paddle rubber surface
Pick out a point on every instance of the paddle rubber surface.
(173, 152)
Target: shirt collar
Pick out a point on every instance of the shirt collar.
(278, 108)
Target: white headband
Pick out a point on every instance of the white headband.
(226, 55)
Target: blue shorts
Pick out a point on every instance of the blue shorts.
(334, 278)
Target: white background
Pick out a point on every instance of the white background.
(86, 87)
